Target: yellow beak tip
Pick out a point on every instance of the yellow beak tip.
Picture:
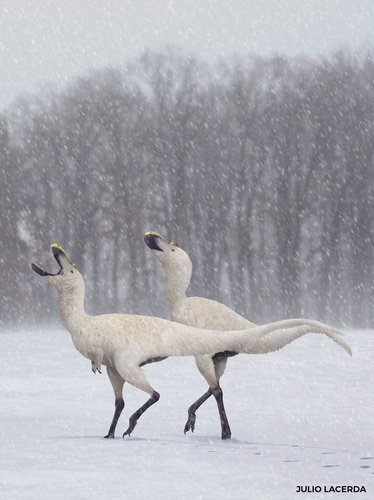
(59, 247)
(154, 233)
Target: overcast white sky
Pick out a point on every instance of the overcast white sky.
(55, 40)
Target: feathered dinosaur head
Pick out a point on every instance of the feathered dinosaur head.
(172, 257)
(67, 273)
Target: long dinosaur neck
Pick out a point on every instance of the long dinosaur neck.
(176, 286)
(72, 307)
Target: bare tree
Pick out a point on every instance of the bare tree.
(263, 170)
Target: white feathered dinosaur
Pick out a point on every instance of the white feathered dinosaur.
(205, 313)
(125, 342)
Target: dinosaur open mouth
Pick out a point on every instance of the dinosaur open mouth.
(151, 239)
(57, 251)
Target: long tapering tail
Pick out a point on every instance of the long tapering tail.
(276, 339)
(190, 341)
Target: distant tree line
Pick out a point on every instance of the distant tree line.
(261, 169)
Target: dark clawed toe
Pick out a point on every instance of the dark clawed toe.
(109, 436)
(190, 424)
(226, 432)
(131, 427)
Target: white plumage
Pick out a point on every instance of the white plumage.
(125, 342)
(210, 314)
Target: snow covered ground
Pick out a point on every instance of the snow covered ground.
(301, 416)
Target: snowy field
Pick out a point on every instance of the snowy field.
(301, 416)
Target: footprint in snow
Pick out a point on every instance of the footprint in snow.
(366, 466)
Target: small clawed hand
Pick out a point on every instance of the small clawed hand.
(96, 367)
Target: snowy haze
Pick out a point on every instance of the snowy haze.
(45, 41)
(264, 175)
(261, 169)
